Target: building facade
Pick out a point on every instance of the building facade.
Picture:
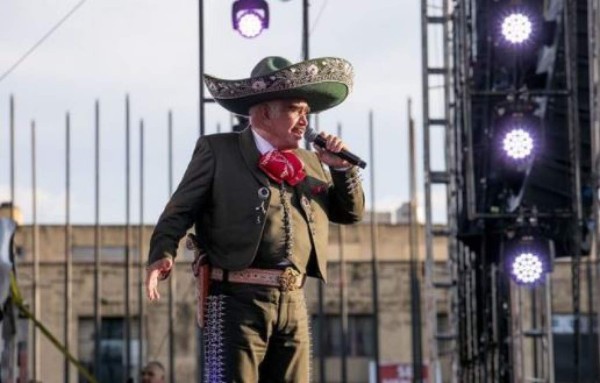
(391, 248)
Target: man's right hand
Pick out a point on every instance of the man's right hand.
(154, 271)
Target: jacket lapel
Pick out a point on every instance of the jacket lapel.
(252, 155)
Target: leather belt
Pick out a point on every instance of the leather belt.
(288, 279)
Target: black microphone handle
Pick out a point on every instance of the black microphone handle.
(343, 154)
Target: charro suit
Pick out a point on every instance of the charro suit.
(256, 333)
(219, 193)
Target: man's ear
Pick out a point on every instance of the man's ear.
(264, 114)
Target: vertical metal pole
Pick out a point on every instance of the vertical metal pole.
(415, 287)
(534, 325)
(12, 187)
(199, 331)
(591, 309)
(574, 151)
(305, 56)
(374, 264)
(12, 155)
(97, 285)
(343, 294)
(322, 332)
(36, 257)
(594, 72)
(172, 280)
(521, 337)
(548, 320)
(464, 68)
(141, 252)
(128, 335)
(516, 302)
(68, 256)
(321, 314)
(495, 357)
(305, 30)
(431, 305)
(590, 315)
(201, 62)
(452, 159)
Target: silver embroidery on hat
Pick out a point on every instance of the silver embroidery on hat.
(329, 69)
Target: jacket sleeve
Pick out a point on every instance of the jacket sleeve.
(191, 195)
(346, 197)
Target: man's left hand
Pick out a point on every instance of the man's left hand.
(154, 272)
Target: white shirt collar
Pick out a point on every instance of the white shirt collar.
(262, 145)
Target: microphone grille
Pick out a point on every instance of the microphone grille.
(310, 134)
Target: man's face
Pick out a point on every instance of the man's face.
(152, 374)
(288, 122)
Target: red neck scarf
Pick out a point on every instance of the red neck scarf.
(282, 165)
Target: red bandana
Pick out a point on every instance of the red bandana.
(282, 166)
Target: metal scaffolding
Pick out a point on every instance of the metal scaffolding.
(594, 72)
(532, 333)
(484, 308)
(440, 277)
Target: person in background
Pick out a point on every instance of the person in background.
(10, 219)
(153, 372)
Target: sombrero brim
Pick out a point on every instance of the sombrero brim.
(323, 83)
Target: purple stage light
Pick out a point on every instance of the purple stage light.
(516, 28)
(250, 24)
(527, 268)
(517, 143)
(250, 17)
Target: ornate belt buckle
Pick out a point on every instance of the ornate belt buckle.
(288, 280)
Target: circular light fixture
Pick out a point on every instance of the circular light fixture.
(518, 143)
(250, 24)
(527, 268)
(516, 28)
(250, 17)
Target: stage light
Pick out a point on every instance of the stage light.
(518, 143)
(516, 28)
(517, 132)
(250, 17)
(517, 136)
(527, 268)
(528, 256)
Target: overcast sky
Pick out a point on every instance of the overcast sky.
(149, 50)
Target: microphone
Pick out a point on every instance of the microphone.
(311, 135)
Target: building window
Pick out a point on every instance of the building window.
(359, 341)
(85, 254)
(563, 329)
(112, 349)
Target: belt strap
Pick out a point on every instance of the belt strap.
(288, 279)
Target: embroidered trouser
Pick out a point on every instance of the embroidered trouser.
(256, 334)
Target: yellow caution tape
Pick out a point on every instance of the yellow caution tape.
(18, 300)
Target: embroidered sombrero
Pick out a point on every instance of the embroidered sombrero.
(322, 82)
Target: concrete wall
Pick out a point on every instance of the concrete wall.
(394, 294)
(392, 250)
